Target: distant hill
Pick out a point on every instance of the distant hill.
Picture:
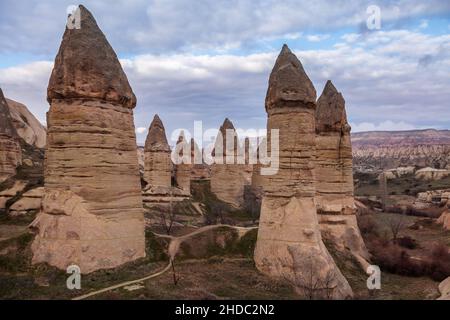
(391, 149)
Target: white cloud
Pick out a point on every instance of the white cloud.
(317, 37)
(162, 26)
(141, 130)
(350, 37)
(383, 126)
(390, 80)
(423, 24)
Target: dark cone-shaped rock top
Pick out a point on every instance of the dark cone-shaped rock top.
(87, 67)
(6, 123)
(289, 84)
(156, 138)
(330, 112)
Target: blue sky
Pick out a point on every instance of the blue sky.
(207, 60)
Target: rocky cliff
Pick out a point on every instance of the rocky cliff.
(387, 150)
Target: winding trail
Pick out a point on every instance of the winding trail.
(174, 246)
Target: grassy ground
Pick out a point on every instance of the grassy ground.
(407, 185)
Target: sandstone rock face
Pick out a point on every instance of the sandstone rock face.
(10, 150)
(158, 165)
(27, 126)
(227, 180)
(289, 244)
(92, 213)
(334, 176)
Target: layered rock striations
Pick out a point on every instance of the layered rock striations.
(334, 176)
(10, 150)
(92, 214)
(227, 176)
(289, 244)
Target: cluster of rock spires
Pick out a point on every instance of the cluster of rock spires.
(290, 244)
(92, 203)
(92, 213)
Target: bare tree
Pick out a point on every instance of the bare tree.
(396, 224)
(310, 282)
(168, 216)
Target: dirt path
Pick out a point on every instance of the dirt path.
(174, 246)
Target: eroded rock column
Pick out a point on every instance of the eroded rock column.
(10, 150)
(227, 179)
(334, 175)
(289, 244)
(158, 165)
(92, 213)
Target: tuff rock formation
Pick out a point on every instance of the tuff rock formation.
(289, 244)
(199, 169)
(158, 168)
(92, 213)
(158, 165)
(183, 170)
(27, 126)
(334, 176)
(227, 179)
(10, 150)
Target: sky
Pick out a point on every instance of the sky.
(207, 60)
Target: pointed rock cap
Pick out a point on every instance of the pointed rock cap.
(330, 112)
(156, 138)
(87, 67)
(6, 123)
(289, 85)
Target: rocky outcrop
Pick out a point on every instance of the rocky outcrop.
(387, 150)
(444, 219)
(431, 174)
(334, 176)
(444, 289)
(27, 126)
(92, 213)
(227, 177)
(158, 165)
(289, 244)
(10, 150)
(431, 198)
(183, 169)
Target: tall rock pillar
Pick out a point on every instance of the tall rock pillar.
(92, 213)
(10, 150)
(158, 165)
(289, 244)
(335, 202)
(227, 179)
